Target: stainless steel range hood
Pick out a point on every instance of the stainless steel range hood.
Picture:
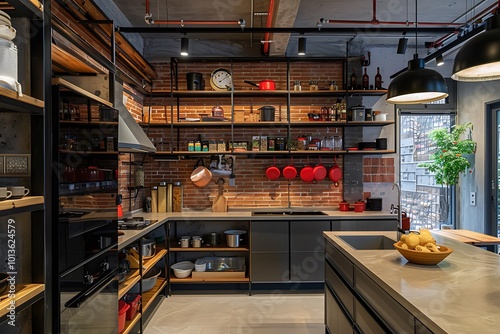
(131, 137)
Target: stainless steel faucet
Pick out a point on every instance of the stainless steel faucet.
(397, 209)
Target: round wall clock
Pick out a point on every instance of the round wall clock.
(221, 79)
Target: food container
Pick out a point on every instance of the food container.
(134, 301)
(122, 315)
(217, 111)
(359, 207)
(200, 265)
(148, 281)
(182, 269)
(184, 241)
(381, 117)
(234, 237)
(196, 241)
(425, 258)
(356, 114)
(267, 113)
(222, 267)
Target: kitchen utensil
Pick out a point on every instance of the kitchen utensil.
(319, 171)
(307, 173)
(359, 206)
(429, 258)
(196, 240)
(263, 84)
(123, 270)
(182, 269)
(148, 281)
(344, 206)
(220, 203)
(233, 237)
(122, 314)
(8, 59)
(184, 242)
(195, 81)
(18, 192)
(267, 113)
(335, 173)
(200, 176)
(148, 249)
(374, 204)
(290, 172)
(272, 172)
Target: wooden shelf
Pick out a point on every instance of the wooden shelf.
(75, 88)
(266, 93)
(371, 152)
(129, 324)
(23, 8)
(148, 264)
(24, 294)
(149, 296)
(64, 151)
(210, 249)
(86, 122)
(209, 280)
(268, 124)
(11, 101)
(21, 202)
(132, 278)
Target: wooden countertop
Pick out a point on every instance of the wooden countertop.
(469, 237)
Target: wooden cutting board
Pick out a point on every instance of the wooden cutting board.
(220, 203)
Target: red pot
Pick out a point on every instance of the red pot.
(335, 174)
(344, 206)
(319, 172)
(273, 173)
(359, 207)
(361, 202)
(290, 172)
(307, 174)
(264, 84)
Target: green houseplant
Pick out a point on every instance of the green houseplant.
(450, 157)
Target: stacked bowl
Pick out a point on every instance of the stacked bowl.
(8, 55)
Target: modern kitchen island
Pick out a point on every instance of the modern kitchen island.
(379, 291)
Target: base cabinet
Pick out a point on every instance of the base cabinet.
(270, 267)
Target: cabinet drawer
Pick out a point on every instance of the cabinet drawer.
(340, 262)
(365, 322)
(270, 267)
(340, 289)
(307, 267)
(394, 315)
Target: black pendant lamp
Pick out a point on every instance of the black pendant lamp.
(417, 84)
(479, 57)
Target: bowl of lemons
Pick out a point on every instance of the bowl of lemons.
(421, 248)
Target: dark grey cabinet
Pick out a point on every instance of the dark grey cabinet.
(307, 249)
(365, 225)
(336, 321)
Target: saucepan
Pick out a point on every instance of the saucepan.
(273, 172)
(290, 172)
(201, 175)
(335, 174)
(263, 84)
(319, 171)
(307, 173)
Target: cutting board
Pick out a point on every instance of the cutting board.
(220, 203)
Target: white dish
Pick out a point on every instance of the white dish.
(182, 269)
(11, 83)
(200, 265)
(7, 32)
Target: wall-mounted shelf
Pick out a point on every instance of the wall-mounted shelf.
(75, 89)
(12, 101)
(210, 249)
(23, 8)
(25, 296)
(267, 124)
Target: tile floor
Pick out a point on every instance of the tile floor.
(239, 314)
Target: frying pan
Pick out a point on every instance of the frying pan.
(263, 84)
(319, 171)
(273, 172)
(290, 172)
(307, 173)
(335, 174)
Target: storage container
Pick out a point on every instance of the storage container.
(122, 315)
(134, 301)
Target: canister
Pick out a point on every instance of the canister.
(184, 242)
(196, 241)
(357, 114)
(177, 197)
(280, 144)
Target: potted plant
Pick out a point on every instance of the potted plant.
(450, 157)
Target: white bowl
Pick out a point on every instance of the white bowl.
(182, 269)
(200, 265)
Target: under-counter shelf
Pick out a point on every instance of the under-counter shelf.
(129, 324)
(11, 101)
(25, 296)
(149, 263)
(130, 280)
(210, 249)
(22, 8)
(149, 296)
(26, 202)
(190, 279)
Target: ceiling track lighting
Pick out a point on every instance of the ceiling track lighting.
(184, 46)
(403, 42)
(439, 60)
(479, 58)
(302, 46)
(417, 84)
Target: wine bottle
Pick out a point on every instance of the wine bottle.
(365, 80)
(354, 79)
(378, 80)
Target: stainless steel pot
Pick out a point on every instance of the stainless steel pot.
(148, 248)
(234, 237)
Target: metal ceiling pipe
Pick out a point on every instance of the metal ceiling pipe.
(269, 22)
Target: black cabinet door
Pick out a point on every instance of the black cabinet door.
(307, 267)
(307, 236)
(365, 225)
(270, 267)
(270, 236)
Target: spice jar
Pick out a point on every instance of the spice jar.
(221, 145)
(197, 146)
(212, 145)
(191, 145)
(313, 85)
(177, 197)
(296, 86)
(280, 144)
(302, 143)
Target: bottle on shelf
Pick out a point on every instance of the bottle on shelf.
(365, 80)
(354, 80)
(333, 85)
(378, 80)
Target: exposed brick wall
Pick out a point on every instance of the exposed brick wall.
(252, 188)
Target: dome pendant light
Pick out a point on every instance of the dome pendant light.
(479, 57)
(417, 84)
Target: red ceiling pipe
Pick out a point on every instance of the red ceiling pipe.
(270, 14)
(186, 22)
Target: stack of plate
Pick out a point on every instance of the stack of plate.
(8, 54)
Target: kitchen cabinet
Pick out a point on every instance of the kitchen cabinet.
(365, 225)
(292, 115)
(205, 228)
(159, 259)
(25, 160)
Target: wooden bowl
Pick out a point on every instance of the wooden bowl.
(417, 257)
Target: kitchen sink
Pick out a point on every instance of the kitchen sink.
(368, 242)
(288, 213)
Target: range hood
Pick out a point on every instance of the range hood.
(131, 137)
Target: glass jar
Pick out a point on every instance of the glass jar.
(296, 86)
(302, 143)
(177, 197)
(280, 144)
(191, 145)
(221, 145)
(212, 145)
(197, 146)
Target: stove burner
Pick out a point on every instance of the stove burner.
(136, 223)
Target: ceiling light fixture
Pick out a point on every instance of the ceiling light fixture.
(403, 42)
(439, 60)
(417, 84)
(302, 46)
(184, 46)
(479, 58)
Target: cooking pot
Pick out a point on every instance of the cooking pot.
(263, 85)
(195, 81)
(290, 172)
(148, 248)
(319, 171)
(273, 172)
(344, 206)
(267, 113)
(359, 206)
(335, 174)
(374, 204)
(123, 270)
(307, 174)
(233, 237)
(200, 176)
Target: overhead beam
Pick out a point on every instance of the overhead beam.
(285, 16)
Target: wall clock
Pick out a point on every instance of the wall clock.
(221, 79)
